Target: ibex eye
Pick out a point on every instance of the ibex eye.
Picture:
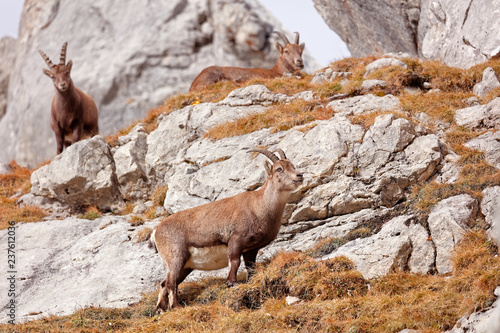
(280, 170)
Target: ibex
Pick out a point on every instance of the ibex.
(216, 234)
(289, 61)
(73, 112)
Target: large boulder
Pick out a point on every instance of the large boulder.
(126, 71)
(369, 27)
(459, 33)
(75, 263)
(400, 243)
(82, 175)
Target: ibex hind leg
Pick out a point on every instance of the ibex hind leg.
(167, 297)
(249, 258)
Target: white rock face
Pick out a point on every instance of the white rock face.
(365, 103)
(490, 207)
(83, 174)
(458, 33)
(130, 162)
(488, 83)
(448, 221)
(383, 62)
(480, 116)
(394, 247)
(67, 265)
(489, 143)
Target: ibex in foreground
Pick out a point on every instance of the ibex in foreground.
(289, 61)
(210, 236)
(73, 112)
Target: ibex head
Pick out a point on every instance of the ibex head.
(281, 172)
(60, 74)
(291, 54)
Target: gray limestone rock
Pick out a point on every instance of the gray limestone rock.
(7, 54)
(383, 62)
(489, 143)
(399, 243)
(488, 83)
(365, 103)
(448, 221)
(71, 264)
(83, 174)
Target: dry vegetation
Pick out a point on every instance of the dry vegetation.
(334, 298)
(13, 186)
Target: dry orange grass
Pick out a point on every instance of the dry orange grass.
(279, 117)
(333, 298)
(12, 186)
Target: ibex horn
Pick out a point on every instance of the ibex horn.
(47, 60)
(266, 152)
(282, 36)
(281, 152)
(63, 54)
(296, 37)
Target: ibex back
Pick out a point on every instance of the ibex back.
(214, 235)
(289, 61)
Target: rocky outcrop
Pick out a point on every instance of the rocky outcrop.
(480, 116)
(400, 243)
(355, 181)
(7, 52)
(126, 71)
(459, 34)
(369, 27)
(488, 83)
(78, 263)
(448, 221)
(84, 176)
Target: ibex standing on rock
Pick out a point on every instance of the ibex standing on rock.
(210, 236)
(73, 112)
(289, 61)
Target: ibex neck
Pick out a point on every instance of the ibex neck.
(273, 200)
(282, 67)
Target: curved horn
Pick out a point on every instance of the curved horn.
(296, 37)
(282, 36)
(63, 54)
(266, 152)
(281, 152)
(47, 60)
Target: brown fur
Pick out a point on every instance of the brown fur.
(289, 61)
(244, 223)
(73, 112)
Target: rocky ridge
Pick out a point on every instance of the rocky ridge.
(460, 34)
(354, 177)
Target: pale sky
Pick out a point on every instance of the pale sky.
(296, 15)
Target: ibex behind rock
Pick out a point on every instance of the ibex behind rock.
(289, 61)
(207, 237)
(73, 112)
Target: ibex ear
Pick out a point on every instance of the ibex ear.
(268, 167)
(302, 46)
(48, 73)
(279, 47)
(69, 64)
